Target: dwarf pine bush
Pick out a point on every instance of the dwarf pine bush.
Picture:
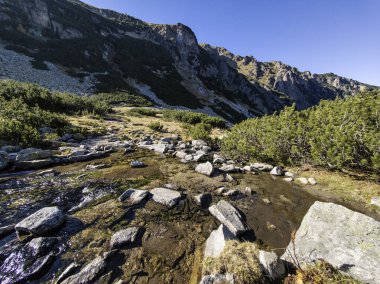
(343, 133)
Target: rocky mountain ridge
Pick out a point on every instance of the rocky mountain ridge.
(114, 52)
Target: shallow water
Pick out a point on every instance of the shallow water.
(172, 245)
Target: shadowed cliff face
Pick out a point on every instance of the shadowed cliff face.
(113, 51)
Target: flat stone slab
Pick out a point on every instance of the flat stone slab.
(346, 239)
(41, 222)
(228, 216)
(262, 166)
(124, 237)
(134, 196)
(217, 240)
(166, 196)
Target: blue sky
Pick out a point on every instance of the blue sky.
(339, 36)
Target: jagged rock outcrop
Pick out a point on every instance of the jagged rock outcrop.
(97, 50)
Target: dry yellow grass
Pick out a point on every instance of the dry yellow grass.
(239, 259)
(358, 189)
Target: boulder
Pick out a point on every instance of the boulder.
(218, 159)
(288, 179)
(218, 279)
(134, 196)
(312, 181)
(247, 168)
(205, 169)
(277, 171)
(272, 266)
(228, 168)
(124, 237)
(346, 239)
(289, 174)
(302, 180)
(166, 196)
(41, 246)
(180, 154)
(31, 154)
(217, 240)
(228, 216)
(198, 143)
(160, 148)
(262, 167)
(70, 270)
(199, 156)
(41, 222)
(89, 273)
(137, 164)
(204, 199)
(4, 159)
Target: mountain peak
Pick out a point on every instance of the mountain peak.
(106, 51)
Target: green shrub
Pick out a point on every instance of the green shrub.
(156, 126)
(124, 98)
(25, 108)
(193, 118)
(34, 95)
(143, 112)
(200, 131)
(342, 134)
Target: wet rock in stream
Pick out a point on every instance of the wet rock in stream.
(41, 222)
(30, 261)
(229, 216)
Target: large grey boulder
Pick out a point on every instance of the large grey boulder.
(89, 273)
(346, 239)
(166, 196)
(31, 154)
(205, 169)
(124, 237)
(228, 216)
(217, 240)
(4, 159)
(272, 266)
(41, 222)
(134, 196)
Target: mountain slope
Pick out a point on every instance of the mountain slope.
(91, 50)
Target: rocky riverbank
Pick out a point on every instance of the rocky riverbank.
(152, 208)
